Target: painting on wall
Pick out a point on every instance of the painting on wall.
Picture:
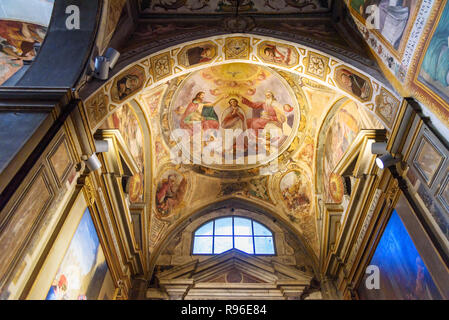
(253, 102)
(434, 72)
(228, 6)
(277, 53)
(296, 191)
(387, 107)
(403, 274)
(344, 128)
(353, 83)
(128, 83)
(83, 269)
(396, 18)
(197, 54)
(170, 192)
(17, 40)
(428, 160)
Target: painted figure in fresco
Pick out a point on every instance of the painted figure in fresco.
(200, 110)
(278, 54)
(199, 55)
(17, 39)
(436, 60)
(233, 117)
(169, 194)
(295, 192)
(127, 85)
(271, 112)
(393, 18)
(355, 84)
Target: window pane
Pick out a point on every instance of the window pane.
(244, 244)
(202, 245)
(264, 245)
(242, 227)
(205, 230)
(260, 230)
(223, 226)
(222, 244)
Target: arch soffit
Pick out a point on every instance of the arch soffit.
(164, 65)
(200, 212)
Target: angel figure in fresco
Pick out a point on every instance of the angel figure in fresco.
(169, 194)
(200, 110)
(278, 54)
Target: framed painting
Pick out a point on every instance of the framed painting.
(75, 267)
(428, 160)
(395, 23)
(403, 273)
(431, 75)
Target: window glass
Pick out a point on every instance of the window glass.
(264, 245)
(242, 227)
(223, 234)
(223, 226)
(205, 230)
(222, 244)
(260, 230)
(244, 244)
(202, 245)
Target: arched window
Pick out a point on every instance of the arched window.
(223, 234)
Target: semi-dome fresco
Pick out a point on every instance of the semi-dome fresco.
(246, 114)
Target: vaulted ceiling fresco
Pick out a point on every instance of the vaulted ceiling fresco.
(410, 42)
(315, 102)
(22, 25)
(229, 6)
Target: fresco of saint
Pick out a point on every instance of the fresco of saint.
(271, 114)
(200, 110)
(355, 84)
(170, 193)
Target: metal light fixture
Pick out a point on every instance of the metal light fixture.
(112, 55)
(101, 146)
(379, 148)
(93, 163)
(101, 68)
(386, 161)
(104, 63)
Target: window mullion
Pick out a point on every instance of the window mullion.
(252, 234)
(233, 234)
(213, 238)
